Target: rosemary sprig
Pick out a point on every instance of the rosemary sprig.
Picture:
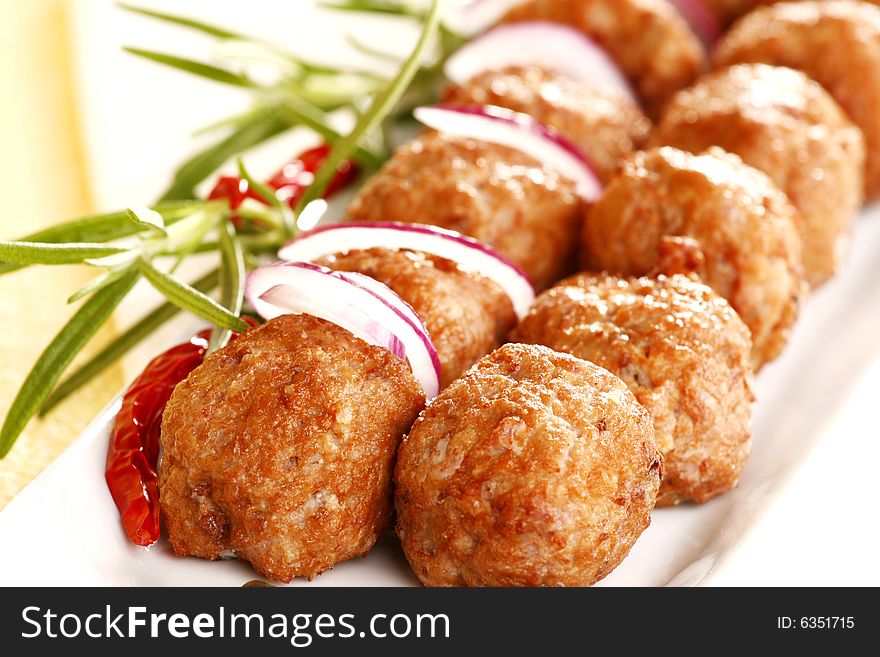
(258, 128)
(300, 98)
(199, 26)
(101, 228)
(177, 227)
(188, 298)
(37, 253)
(149, 219)
(191, 66)
(121, 345)
(388, 7)
(380, 107)
(58, 356)
(232, 275)
(288, 218)
(99, 282)
(266, 193)
(221, 33)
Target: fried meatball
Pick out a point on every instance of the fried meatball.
(837, 43)
(683, 352)
(607, 127)
(648, 39)
(781, 122)
(534, 469)
(280, 447)
(495, 194)
(466, 314)
(727, 11)
(671, 212)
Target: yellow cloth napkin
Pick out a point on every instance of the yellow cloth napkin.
(42, 181)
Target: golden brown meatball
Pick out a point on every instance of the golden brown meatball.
(280, 447)
(837, 43)
(683, 352)
(606, 127)
(649, 40)
(728, 11)
(466, 314)
(534, 469)
(669, 211)
(781, 122)
(495, 194)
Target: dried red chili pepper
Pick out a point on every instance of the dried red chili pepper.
(235, 189)
(133, 451)
(289, 183)
(295, 176)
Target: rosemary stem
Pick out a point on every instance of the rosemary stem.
(378, 110)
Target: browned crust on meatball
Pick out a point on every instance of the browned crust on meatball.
(466, 314)
(683, 352)
(607, 127)
(495, 194)
(534, 469)
(744, 227)
(781, 122)
(836, 43)
(280, 447)
(649, 40)
(727, 11)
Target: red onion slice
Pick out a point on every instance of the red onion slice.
(552, 46)
(369, 310)
(519, 131)
(389, 297)
(701, 19)
(467, 252)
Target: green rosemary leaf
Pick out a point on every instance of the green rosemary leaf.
(114, 260)
(102, 227)
(147, 218)
(232, 276)
(120, 346)
(251, 129)
(199, 26)
(371, 6)
(223, 33)
(263, 191)
(191, 66)
(190, 299)
(39, 253)
(288, 219)
(261, 126)
(253, 243)
(233, 273)
(254, 128)
(298, 112)
(185, 237)
(381, 106)
(340, 90)
(98, 283)
(58, 355)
